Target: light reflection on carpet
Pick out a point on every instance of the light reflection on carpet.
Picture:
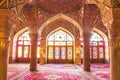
(55, 72)
(52, 76)
(16, 70)
(63, 72)
(58, 66)
(101, 71)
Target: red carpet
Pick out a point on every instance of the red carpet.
(59, 72)
(55, 72)
(15, 70)
(60, 66)
(101, 71)
(52, 76)
(100, 66)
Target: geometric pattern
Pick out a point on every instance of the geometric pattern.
(65, 72)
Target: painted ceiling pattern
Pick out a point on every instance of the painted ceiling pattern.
(105, 7)
(3, 4)
(61, 6)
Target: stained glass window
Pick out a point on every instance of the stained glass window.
(95, 53)
(63, 53)
(20, 51)
(60, 45)
(69, 53)
(24, 45)
(50, 53)
(101, 54)
(95, 37)
(57, 52)
(97, 46)
(25, 52)
(24, 36)
(60, 35)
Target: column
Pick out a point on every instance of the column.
(11, 52)
(3, 58)
(3, 44)
(43, 51)
(33, 59)
(77, 52)
(115, 45)
(86, 59)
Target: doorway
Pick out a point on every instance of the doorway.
(60, 47)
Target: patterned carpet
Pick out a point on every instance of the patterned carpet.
(61, 72)
(101, 71)
(56, 72)
(15, 70)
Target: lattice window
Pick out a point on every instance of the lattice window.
(23, 47)
(97, 48)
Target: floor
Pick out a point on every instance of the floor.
(58, 72)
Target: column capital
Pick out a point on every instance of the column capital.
(3, 40)
(33, 36)
(4, 43)
(87, 34)
(33, 29)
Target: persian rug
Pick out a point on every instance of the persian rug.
(101, 71)
(98, 72)
(15, 70)
(52, 76)
(56, 72)
(68, 66)
(59, 72)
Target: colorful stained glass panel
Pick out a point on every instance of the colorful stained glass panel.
(50, 53)
(63, 53)
(69, 53)
(20, 51)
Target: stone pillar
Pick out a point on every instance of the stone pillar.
(77, 52)
(43, 51)
(115, 45)
(3, 58)
(11, 52)
(33, 59)
(3, 44)
(86, 59)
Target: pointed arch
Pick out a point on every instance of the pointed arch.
(58, 16)
(55, 43)
(15, 40)
(60, 28)
(20, 32)
(104, 36)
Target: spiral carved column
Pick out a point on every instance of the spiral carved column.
(4, 33)
(43, 51)
(33, 59)
(86, 59)
(3, 58)
(115, 45)
(115, 58)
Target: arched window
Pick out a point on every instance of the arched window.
(23, 48)
(97, 48)
(60, 47)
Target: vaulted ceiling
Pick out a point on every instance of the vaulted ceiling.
(105, 8)
(59, 6)
(63, 6)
